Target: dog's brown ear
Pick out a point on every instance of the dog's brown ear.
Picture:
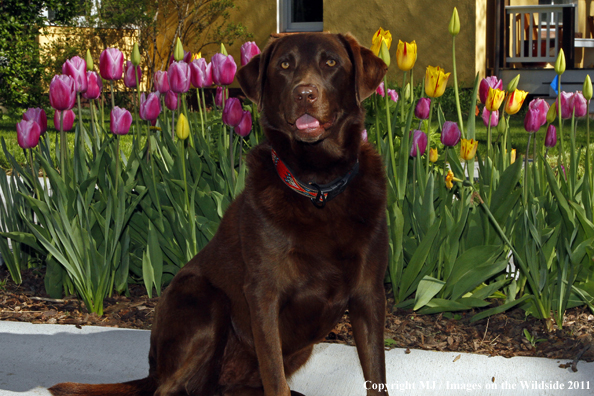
(369, 69)
(252, 76)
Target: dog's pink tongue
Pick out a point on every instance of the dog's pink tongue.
(306, 121)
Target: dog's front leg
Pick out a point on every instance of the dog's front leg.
(263, 300)
(368, 311)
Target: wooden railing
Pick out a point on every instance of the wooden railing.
(536, 33)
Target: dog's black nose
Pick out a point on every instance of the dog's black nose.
(305, 94)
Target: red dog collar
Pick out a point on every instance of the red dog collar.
(319, 194)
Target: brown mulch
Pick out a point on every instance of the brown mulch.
(499, 335)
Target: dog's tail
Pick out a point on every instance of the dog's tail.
(142, 387)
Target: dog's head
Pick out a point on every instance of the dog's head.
(309, 87)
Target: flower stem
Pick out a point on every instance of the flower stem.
(136, 118)
(112, 98)
(185, 109)
(562, 154)
(183, 152)
(377, 128)
(427, 151)
(117, 163)
(34, 180)
(389, 128)
(526, 171)
(200, 110)
(62, 147)
(460, 120)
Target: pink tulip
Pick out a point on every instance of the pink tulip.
(62, 92)
(38, 115)
(419, 140)
(393, 95)
(542, 107)
(111, 64)
(566, 104)
(68, 121)
(551, 136)
(232, 112)
(201, 73)
(171, 100)
(248, 51)
(223, 69)
(187, 58)
(380, 90)
(95, 86)
(120, 121)
(150, 108)
(179, 77)
(532, 120)
(245, 124)
(494, 117)
(422, 109)
(579, 104)
(76, 68)
(28, 133)
(450, 134)
(161, 82)
(364, 135)
(129, 77)
(492, 82)
(219, 96)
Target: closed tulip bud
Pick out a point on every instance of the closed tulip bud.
(120, 121)
(179, 77)
(422, 109)
(514, 101)
(433, 155)
(494, 99)
(513, 156)
(551, 136)
(38, 115)
(406, 55)
(135, 58)
(182, 129)
(171, 100)
(223, 50)
(245, 124)
(161, 82)
(468, 149)
(560, 62)
(62, 92)
(407, 92)
(223, 69)
(486, 83)
(76, 68)
(393, 95)
(232, 112)
(94, 86)
(28, 133)
(552, 113)
(89, 60)
(513, 84)
(201, 73)
(150, 107)
(380, 89)
(494, 117)
(378, 38)
(435, 81)
(454, 26)
(532, 121)
(566, 104)
(219, 96)
(419, 141)
(67, 121)
(450, 134)
(579, 104)
(384, 53)
(178, 51)
(129, 75)
(248, 51)
(502, 125)
(587, 89)
(542, 107)
(111, 64)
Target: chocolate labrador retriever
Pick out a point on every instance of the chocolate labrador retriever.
(304, 242)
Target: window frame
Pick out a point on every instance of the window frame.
(285, 25)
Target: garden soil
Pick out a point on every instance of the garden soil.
(499, 335)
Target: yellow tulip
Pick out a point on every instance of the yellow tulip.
(197, 56)
(433, 155)
(448, 180)
(435, 81)
(494, 99)
(514, 101)
(380, 36)
(513, 156)
(406, 55)
(182, 129)
(468, 149)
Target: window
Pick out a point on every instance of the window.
(301, 15)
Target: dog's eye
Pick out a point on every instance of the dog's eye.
(285, 65)
(331, 62)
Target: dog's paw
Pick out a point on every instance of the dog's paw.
(293, 393)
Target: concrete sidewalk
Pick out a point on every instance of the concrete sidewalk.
(33, 357)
